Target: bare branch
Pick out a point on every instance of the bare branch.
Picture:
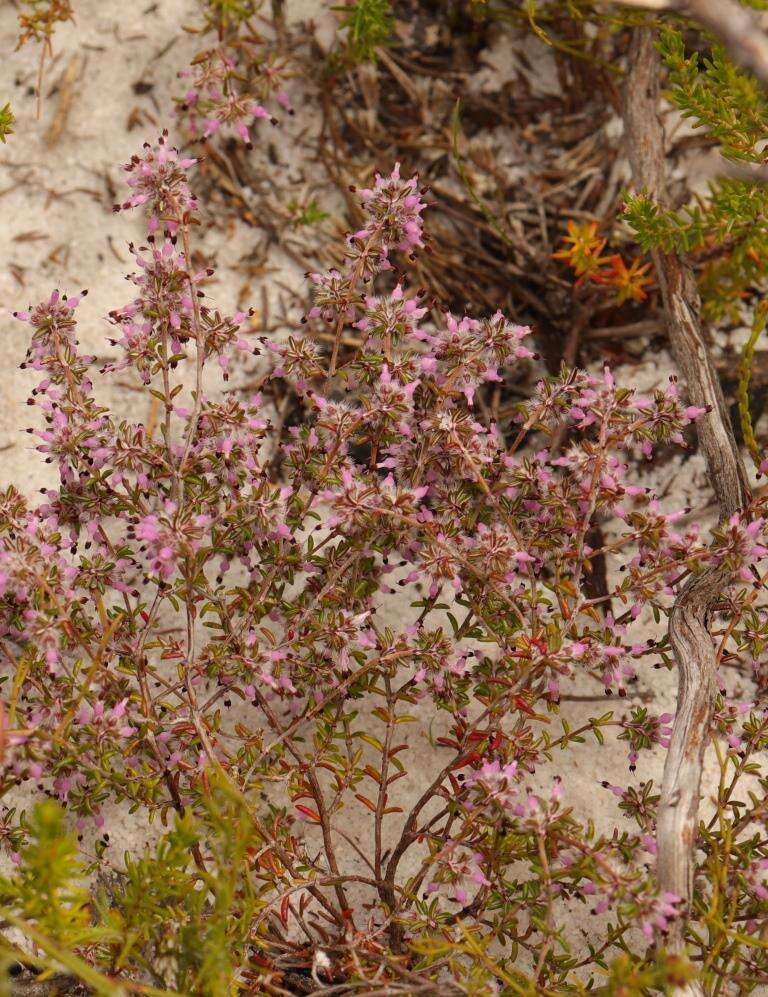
(689, 635)
(738, 28)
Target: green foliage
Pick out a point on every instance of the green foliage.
(230, 13)
(167, 911)
(184, 926)
(47, 889)
(727, 231)
(7, 122)
(745, 375)
(666, 973)
(306, 214)
(732, 215)
(368, 25)
(718, 96)
(46, 899)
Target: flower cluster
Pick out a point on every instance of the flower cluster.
(227, 91)
(158, 180)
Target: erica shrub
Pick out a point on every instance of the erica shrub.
(336, 686)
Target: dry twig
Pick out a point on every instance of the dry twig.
(66, 96)
(688, 630)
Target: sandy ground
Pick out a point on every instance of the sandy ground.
(58, 175)
(108, 89)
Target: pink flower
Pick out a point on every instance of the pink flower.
(158, 180)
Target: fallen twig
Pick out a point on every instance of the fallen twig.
(688, 631)
(66, 95)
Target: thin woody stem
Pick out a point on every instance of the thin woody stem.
(689, 634)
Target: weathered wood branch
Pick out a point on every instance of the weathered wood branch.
(688, 627)
(738, 28)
